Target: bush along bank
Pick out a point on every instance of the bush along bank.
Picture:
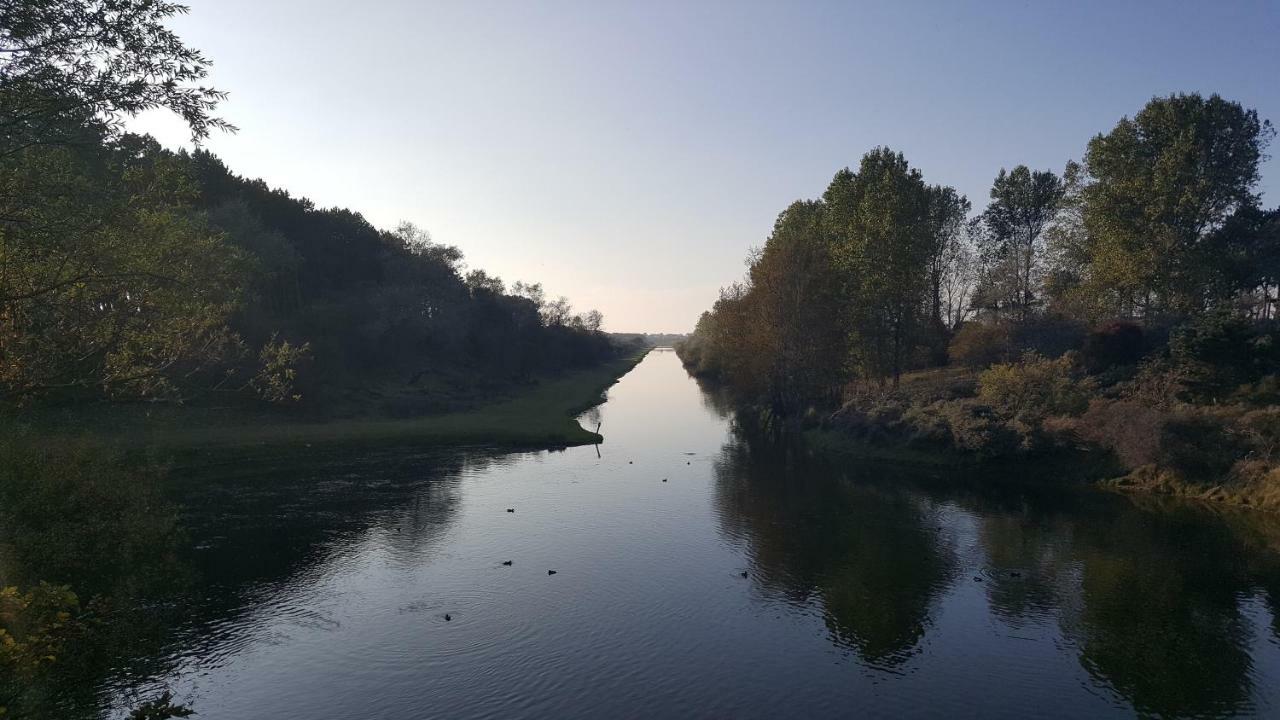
(1139, 427)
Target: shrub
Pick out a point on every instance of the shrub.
(1129, 429)
(278, 371)
(1264, 392)
(1050, 335)
(76, 510)
(1219, 351)
(1199, 447)
(34, 626)
(1158, 383)
(869, 419)
(932, 349)
(80, 510)
(1034, 388)
(1114, 344)
(928, 427)
(977, 428)
(1261, 430)
(1194, 445)
(978, 345)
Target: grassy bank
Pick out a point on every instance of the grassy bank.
(540, 415)
(1042, 421)
(1068, 465)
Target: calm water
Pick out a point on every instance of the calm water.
(323, 592)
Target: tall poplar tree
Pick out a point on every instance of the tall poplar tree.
(1023, 203)
(882, 245)
(1163, 183)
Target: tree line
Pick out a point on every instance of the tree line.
(131, 271)
(1160, 226)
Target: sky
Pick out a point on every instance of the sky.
(629, 155)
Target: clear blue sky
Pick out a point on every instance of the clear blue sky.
(627, 155)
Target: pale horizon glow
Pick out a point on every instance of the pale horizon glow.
(627, 156)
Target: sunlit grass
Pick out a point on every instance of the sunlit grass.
(542, 415)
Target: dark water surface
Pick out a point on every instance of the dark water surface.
(322, 592)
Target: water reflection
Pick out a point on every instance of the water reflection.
(1157, 600)
(1024, 567)
(278, 519)
(182, 571)
(1154, 600)
(1159, 616)
(876, 560)
(272, 534)
(715, 398)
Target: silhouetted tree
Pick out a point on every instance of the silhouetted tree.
(66, 65)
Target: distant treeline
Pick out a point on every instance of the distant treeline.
(650, 339)
(129, 271)
(1160, 227)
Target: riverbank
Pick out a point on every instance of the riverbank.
(1035, 424)
(541, 415)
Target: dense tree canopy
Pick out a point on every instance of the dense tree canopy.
(881, 240)
(109, 281)
(1162, 187)
(1160, 223)
(850, 285)
(130, 271)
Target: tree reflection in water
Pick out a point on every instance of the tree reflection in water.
(180, 564)
(1158, 601)
(875, 560)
